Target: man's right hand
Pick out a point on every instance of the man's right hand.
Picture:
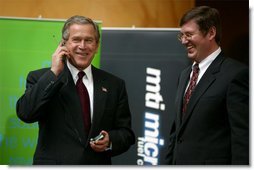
(58, 58)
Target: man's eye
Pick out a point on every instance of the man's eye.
(89, 41)
(76, 40)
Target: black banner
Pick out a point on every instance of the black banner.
(150, 61)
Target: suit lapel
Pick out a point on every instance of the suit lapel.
(100, 94)
(205, 82)
(180, 93)
(73, 108)
(71, 104)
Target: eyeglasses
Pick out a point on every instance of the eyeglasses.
(187, 36)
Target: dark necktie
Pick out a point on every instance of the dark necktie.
(190, 88)
(84, 100)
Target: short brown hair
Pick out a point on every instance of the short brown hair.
(205, 17)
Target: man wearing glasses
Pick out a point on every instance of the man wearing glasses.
(211, 125)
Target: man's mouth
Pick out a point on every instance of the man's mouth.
(82, 54)
(190, 48)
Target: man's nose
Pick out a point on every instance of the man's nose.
(184, 40)
(82, 44)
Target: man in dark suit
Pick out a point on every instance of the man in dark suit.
(212, 103)
(52, 98)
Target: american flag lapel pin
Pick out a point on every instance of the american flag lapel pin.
(104, 89)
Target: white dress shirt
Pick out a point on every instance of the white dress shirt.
(204, 64)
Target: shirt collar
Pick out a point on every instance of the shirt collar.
(208, 60)
(74, 71)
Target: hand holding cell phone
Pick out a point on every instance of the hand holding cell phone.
(58, 58)
(101, 142)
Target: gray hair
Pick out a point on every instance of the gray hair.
(82, 21)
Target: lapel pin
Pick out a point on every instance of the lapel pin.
(104, 89)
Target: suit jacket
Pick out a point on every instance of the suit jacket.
(216, 127)
(54, 103)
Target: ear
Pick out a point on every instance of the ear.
(212, 33)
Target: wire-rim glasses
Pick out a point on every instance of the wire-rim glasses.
(186, 36)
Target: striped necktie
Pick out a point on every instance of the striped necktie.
(190, 89)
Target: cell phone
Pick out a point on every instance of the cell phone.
(64, 57)
(99, 137)
(62, 44)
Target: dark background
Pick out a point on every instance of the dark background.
(235, 26)
(127, 54)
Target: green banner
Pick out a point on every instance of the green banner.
(25, 45)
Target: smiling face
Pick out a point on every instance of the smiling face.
(198, 44)
(81, 45)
